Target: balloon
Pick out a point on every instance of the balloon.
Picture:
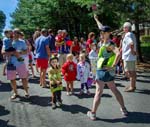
(69, 43)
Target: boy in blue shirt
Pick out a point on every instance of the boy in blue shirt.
(7, 46)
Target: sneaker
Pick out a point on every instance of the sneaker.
(68, 94)
(59, 104)
(14, 96)
(124, 111)
(71, 93)
(88, 92)
(91, 115)
(81, 92)
(53, 106)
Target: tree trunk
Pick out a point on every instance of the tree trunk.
(139, 54)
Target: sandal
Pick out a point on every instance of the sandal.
(14, 96)
(129, 89)
(27, 96)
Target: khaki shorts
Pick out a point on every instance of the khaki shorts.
(130, 66)
(62, 59)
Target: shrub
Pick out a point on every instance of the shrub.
(145, 38)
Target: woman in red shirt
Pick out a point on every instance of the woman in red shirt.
(90, 40)
(75, 48)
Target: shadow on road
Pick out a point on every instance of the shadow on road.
(143, 81)
(74, 109)
(3, 111)
(5, 124)
(35, 80)
(144, 76)
(144, 91)
(134, 117)
(37, 100)
(5, 87)
(91, 96)
(84, 95)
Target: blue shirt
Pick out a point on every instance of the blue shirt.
(19, 45)
(7, 43)
(40, 46)
(51, 40)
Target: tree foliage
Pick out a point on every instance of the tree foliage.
(57, 14)
(2, 21)
(77, 15)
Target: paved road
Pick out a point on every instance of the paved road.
(37, 112)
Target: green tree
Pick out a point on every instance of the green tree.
(2, 21)
(115, 12)
(57, 14)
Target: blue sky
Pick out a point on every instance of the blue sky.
(8, 6)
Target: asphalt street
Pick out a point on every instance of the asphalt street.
(37, 111)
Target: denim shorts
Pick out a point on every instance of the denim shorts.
(104, 75)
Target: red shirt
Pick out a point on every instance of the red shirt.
(88, 43)
(59, 38)
(116, 41)
(69, 68)
(76, 48)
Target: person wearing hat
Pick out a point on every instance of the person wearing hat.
(108, 57)
(42, 55)
(129, 56)
(54, 75)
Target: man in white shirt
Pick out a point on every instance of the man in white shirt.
(129, 56)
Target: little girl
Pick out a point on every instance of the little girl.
(55, 79)
(69, 70)
(83, 71)
(93, 56)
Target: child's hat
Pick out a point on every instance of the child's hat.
(53, 57)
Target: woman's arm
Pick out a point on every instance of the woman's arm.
(99, 24)
(118, 56)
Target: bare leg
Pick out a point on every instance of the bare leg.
(71, 86)
(37, 70)
(133, 79)
(4, 69)
(43, 77)
(97, 97)
(32, 69)
(67, 87)
(117, 94)
(14, 86)
(25, 85)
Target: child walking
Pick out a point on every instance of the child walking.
(69, 70)
(83, 71)
(55, 79)
(93, 56)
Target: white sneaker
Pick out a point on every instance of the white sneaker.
(91, 115)
(124, 111)
(68, 94)
(71, 93)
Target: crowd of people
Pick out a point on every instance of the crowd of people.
(91, 62)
